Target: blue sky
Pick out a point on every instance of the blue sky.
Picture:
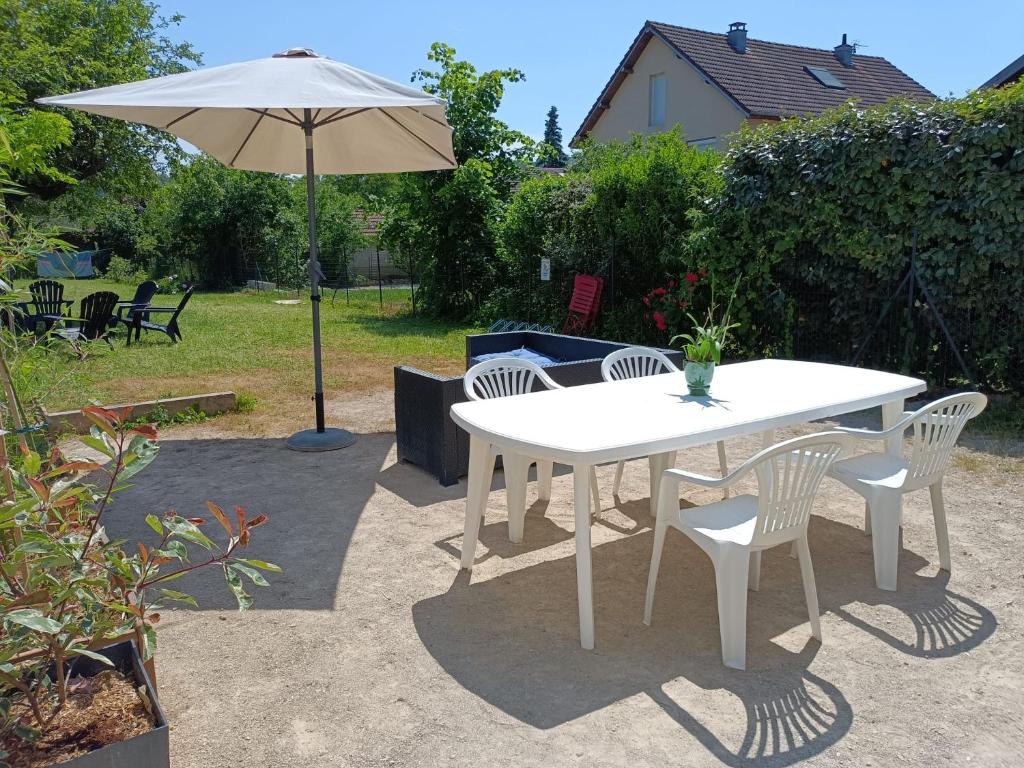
(569, 49)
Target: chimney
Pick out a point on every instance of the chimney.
(737, 36)
(844, 52)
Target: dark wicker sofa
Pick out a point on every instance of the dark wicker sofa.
(425, 432)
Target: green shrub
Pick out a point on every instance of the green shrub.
(120, 270)
(830, 209)
(627, 212)
(245, 403)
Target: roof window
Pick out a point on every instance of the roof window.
(824, 77)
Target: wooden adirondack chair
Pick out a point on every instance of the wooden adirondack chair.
(584, 305)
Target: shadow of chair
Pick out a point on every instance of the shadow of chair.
(795, 716)
(539, 532)
(513, 640)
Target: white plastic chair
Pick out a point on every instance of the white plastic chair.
(883, 478)
(504, 377)
(632, 363)
(735, 531)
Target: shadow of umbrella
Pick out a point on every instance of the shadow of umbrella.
(313, 506)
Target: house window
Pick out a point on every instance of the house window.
(709, 143)
(656, 117)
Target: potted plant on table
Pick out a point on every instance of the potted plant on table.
(703, 347)
(68, 696)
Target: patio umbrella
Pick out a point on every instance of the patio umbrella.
(277, 114)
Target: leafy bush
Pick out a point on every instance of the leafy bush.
(830, 208)
(122, 270)
(627, 212)
(67, 589)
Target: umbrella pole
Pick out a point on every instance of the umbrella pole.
(320, 438)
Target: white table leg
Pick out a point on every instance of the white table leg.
(584, 572)
(658, 463)
(481, 465)
(517, 468)
(891, 413)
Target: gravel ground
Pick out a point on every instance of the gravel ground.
(372, 649)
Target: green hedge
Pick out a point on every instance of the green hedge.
(831, 207)
(816, 219)
(627, 212)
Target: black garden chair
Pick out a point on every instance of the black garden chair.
(94, 321)
(139, 320)
(47, 305)
(143, 297)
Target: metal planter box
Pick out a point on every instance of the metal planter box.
(147, 750)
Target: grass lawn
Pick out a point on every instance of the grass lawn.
(246, 343)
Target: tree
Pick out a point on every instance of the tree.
(442, 223)
(56, 46)
(552, 154)
(25, 143)
(339, 225)
(225, 222)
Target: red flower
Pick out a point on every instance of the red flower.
(646, 301)
(671, 284)
(659, 320)
(691, 278)
(658, 292)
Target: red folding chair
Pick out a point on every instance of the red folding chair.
(584, 305)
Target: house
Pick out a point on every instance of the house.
(367, 264)
(371, 262)
(1011, 73)
(712, 83)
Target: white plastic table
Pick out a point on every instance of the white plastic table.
(655, 417)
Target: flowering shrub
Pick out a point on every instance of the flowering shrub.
(667, 307)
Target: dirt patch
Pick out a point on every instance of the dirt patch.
(101, 710)
(359, 393)
(373, 649)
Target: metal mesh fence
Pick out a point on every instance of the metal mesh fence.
(948, 332)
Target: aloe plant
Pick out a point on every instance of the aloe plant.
(707, 338)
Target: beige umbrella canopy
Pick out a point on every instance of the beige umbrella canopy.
(279, 114)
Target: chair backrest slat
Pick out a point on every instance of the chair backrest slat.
(503, 377)
(634, 362)
(47, 296)
(788, 476)
(936, 428)
(96, 312)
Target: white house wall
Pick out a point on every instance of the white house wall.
(698, 106)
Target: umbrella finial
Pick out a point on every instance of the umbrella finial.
(297, 53)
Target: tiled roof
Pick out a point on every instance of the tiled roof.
(1011, 73)
(769, 79)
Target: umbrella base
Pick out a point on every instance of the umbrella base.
(329, 440)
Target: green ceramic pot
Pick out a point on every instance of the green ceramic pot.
(698, 377)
